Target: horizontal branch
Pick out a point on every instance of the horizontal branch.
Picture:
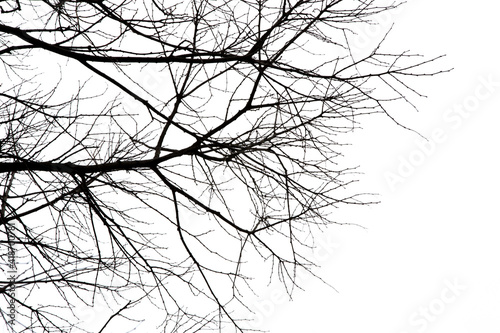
(71, 168)
(194, 57)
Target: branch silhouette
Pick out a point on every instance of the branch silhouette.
(158, 156)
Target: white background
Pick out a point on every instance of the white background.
(440, 226)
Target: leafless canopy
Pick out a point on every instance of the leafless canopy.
(161, 154)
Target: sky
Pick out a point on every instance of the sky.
(427, 259)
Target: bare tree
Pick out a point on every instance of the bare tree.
(162, 154)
